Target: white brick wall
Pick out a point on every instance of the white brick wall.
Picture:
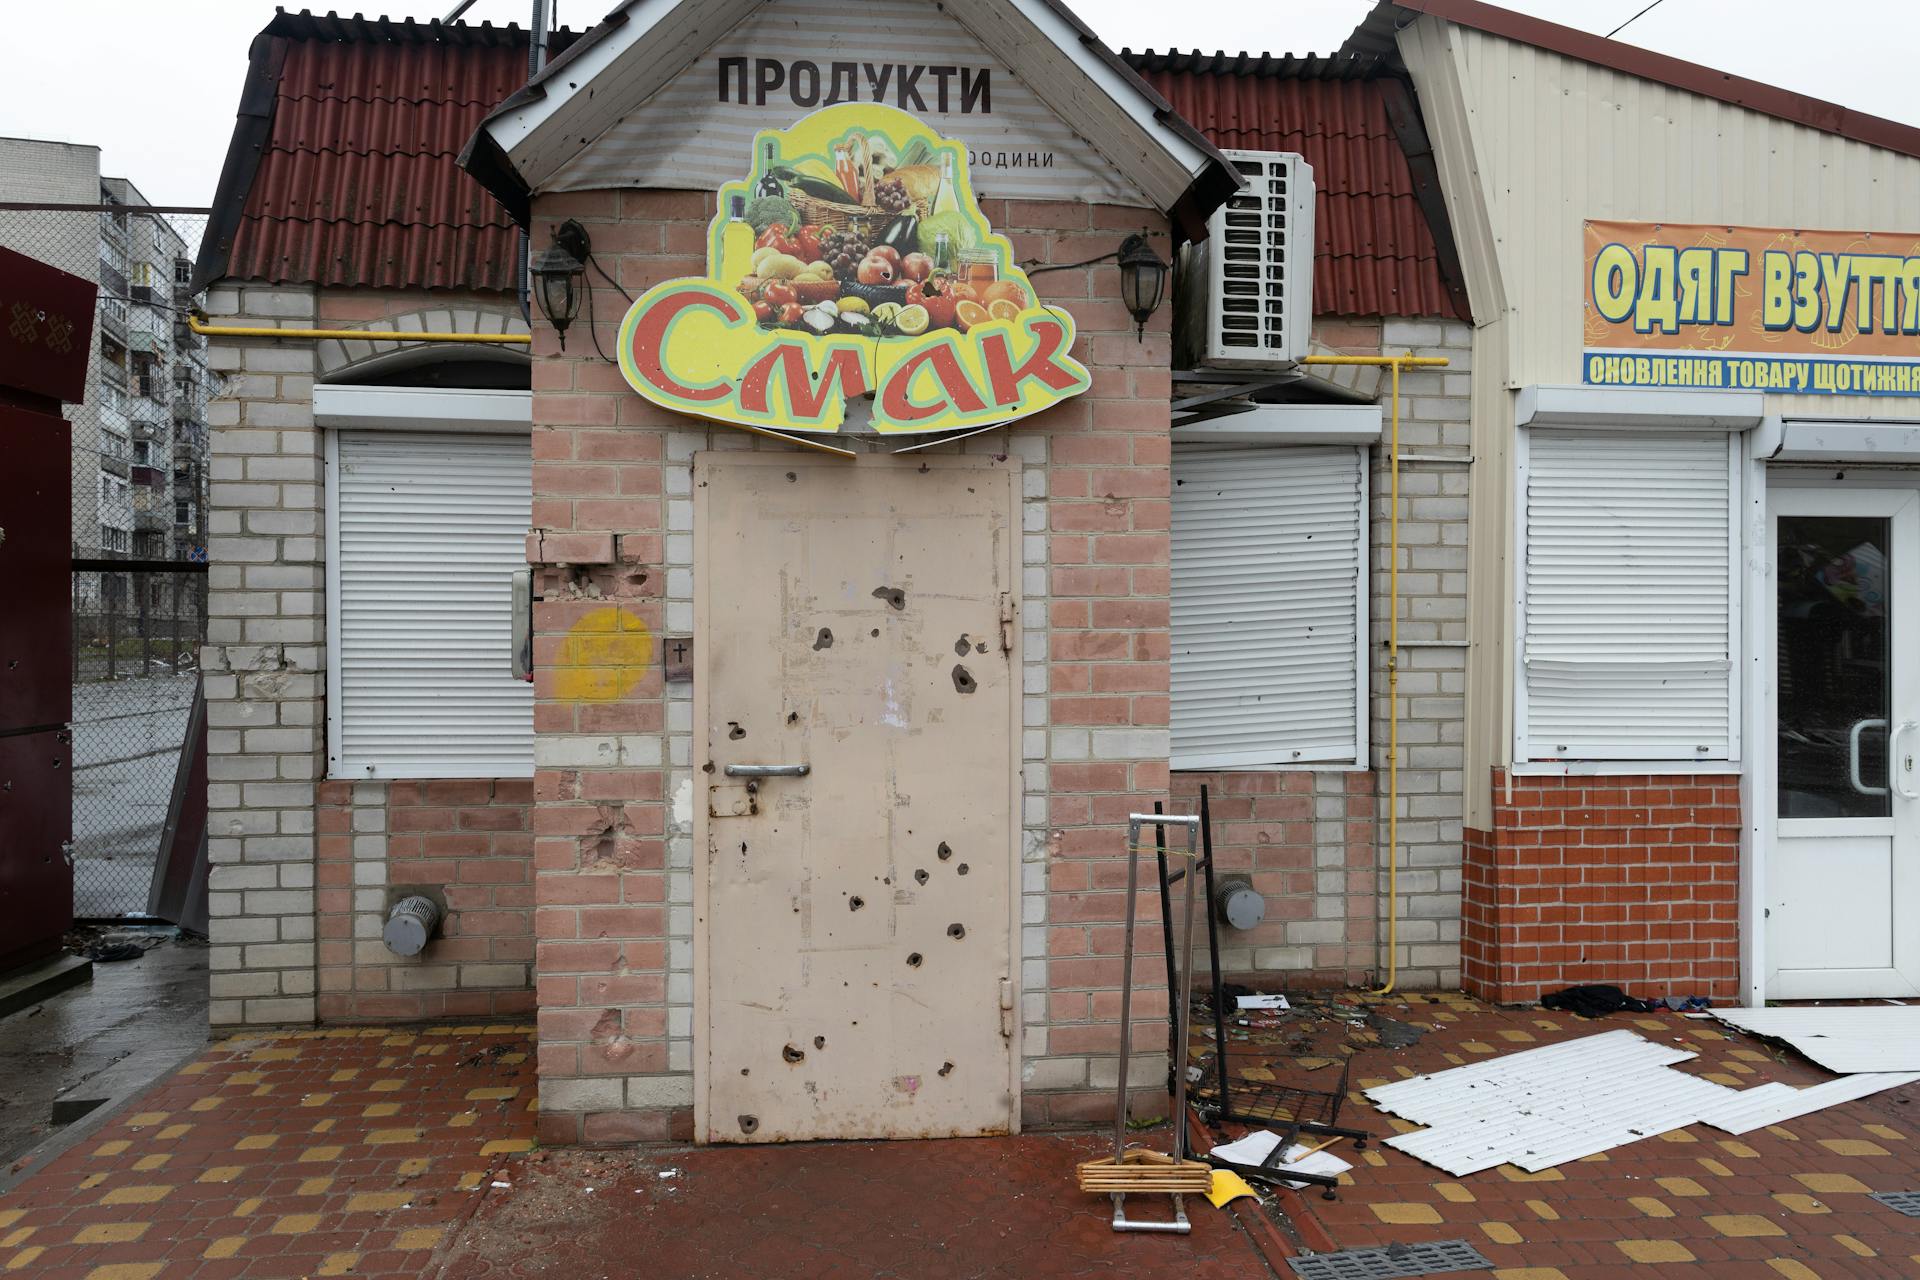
(263, 663)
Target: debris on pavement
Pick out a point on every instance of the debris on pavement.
(1846, 1039)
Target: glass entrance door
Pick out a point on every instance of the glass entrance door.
(1842, 875)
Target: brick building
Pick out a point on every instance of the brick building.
(764, 858)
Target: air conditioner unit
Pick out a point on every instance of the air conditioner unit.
(1249, 286)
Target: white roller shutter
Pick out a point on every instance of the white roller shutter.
(1269, 599)
(425, 534)
(1627, 602)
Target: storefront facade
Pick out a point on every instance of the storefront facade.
(1688, 738)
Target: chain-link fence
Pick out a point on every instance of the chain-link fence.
(139, 523)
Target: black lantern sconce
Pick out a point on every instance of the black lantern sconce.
(1143, 281)
(558, 274)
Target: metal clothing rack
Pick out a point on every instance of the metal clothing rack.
(1289, 1109)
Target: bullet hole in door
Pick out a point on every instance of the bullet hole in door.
(745, 1072)
(894, 596)
(819, 1042)
(920, 876)
(791, 477)
(874, 632)
(824, 640)
(749, 1123)
(743, 848)
(734, 730)
(962, 868)
(956, 931)
(946, 1069)
(963, 679)
(946, 851)
(963, 645)
(793, 717)
(856, 902)
(913, 961)
(792, 1054)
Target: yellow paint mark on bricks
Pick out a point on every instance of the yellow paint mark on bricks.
(25, 1257)
(220, 1173)
(1853, 1147)
(296, 1224)
(419, 1238)
(1681, 1186)
(1741, 1225)
(1800, 1204)
(339, 1264)
(224, 1247)
(111, 1233)
(376, 1201)
(1405, 1213)
(1652, 1206)
(388, 1137)
(1853, 1245)
(1793, 1269)
(146, 1194)
(1832, 1184)
(507, 1146)
(127, 1271)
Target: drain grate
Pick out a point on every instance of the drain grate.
(1396, 1260)
(1907, 1202)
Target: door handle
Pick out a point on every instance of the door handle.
(768, 770)
(1853, 755)
(1900, 768)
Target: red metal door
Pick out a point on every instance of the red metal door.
(36, 692)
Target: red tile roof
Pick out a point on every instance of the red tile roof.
(344, 172)
(1376, 251)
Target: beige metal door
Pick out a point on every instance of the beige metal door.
(854, 924)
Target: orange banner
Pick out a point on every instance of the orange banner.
(1796, 311)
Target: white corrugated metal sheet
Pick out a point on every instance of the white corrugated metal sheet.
(1530, 143)
(429, 529)
(713, 141)
(1849, 1039)
(1776, 1103)
(1268, 587)
(1544, 1107)
(1628, 597)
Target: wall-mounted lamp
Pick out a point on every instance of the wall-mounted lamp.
(1143, 279)
(557, 274)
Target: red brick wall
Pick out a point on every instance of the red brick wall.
(469, 839)
(1307, 841)
(607, 1052)
(1630, 880)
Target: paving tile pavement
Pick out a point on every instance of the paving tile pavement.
(985, 1208)
(336, 1152)
(1787, 1201)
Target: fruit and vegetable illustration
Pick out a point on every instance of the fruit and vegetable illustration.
(872, 235)
(852, 283)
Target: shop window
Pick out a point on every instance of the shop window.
(425, 531)
(1627, 597)
(1269, 606)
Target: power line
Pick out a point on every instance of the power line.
(1635, 18)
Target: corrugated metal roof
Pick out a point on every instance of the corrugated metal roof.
(1376, 253)
(355, 180)
(1842, 1038)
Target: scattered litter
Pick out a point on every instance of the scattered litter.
(503, 1186)
(1543, 1107)
(669, 1173)
(1274, 1001)
(1254, 1149)
(1393, 1033)
(1847, 1040)
(1595, 1001)
(1228, 1186)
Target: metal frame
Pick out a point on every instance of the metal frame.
(1180, 1007)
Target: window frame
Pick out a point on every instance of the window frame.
(1652, 759)
(1353, 427)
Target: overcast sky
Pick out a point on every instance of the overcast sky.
(154, 83)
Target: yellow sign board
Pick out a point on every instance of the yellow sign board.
(852, 283)
(1748, 308)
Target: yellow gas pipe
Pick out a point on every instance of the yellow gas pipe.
(1396, 363)
(199, 326)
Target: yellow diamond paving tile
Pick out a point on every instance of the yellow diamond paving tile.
(1790, 1200)
(259, 1160)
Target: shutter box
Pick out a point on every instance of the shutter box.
(1268, 606)
(426, 531)
(1246, 291)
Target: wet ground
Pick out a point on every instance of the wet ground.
(102, 1041)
